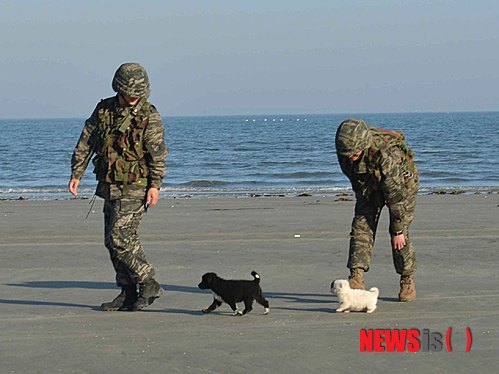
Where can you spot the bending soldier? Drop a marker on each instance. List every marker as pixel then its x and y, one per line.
pixel 382 172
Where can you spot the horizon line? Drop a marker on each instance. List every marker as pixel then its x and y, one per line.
pixel 272 114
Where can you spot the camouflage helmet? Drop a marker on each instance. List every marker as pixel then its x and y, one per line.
pixel 131 80
pixel 353 136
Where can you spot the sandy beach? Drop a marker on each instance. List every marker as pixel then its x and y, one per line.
pixel 55 272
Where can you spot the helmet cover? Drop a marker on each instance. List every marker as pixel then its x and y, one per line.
pixel 353 136
pixel 131 80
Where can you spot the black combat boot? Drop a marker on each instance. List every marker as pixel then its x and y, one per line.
pixel 123 301
pixel 149 291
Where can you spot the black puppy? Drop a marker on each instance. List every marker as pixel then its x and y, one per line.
pixel 234 291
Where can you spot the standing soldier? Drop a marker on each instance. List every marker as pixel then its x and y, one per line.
pixel 126 134
pixel 381 168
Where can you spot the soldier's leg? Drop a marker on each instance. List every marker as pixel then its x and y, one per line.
pixel 405 259
pixel 123 242
pixel 111 210
pixel 363 233
pixel 128 295
pixel 128 251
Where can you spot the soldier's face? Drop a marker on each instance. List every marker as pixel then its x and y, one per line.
pixel 355 156
pixel 128 101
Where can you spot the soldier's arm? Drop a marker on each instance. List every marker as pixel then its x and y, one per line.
pixel 154 144
pixel 85 147
pixel 393 187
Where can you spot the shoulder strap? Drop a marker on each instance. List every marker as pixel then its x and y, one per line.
pixel 128 119
pixel 388 135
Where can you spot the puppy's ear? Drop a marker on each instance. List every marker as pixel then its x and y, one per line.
pixel 211 278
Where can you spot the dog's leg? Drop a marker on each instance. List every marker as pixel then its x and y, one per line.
pixel 234 309
pixel 214 305
pixel 342 308
pixel 248 306
pixel 263 302
pixel 371 310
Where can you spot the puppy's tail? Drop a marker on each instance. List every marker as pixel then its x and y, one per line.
pixel 374 290
pixel 256 276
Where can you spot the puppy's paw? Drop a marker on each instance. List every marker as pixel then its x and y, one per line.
pixel 237 313
pixel 205 311
pixel 342 310
pixel 267 311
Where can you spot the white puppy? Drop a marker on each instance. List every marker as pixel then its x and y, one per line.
pixel 354 300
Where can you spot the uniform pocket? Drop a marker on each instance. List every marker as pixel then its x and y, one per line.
pixel 131 206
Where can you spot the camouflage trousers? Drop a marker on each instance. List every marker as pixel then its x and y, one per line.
pixel 121 223
pixel 363 234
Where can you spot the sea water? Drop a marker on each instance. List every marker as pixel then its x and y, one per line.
pixel 251 155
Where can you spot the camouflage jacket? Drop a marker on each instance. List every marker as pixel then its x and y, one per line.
pixel 382 173
pixel 129 149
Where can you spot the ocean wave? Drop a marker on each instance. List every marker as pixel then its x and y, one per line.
pixel 204 183
pixel 5 191
pixel 301 174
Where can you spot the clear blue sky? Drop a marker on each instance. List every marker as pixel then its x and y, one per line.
pixel 252 57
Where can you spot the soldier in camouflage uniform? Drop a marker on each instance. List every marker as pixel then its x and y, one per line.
pixel 126 135
pixel 381 169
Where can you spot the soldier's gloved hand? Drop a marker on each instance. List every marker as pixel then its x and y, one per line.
pixel 398 242
pixel 152 197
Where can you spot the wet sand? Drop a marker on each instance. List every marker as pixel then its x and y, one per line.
pixel 55 272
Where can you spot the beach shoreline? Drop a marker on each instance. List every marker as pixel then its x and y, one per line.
pixel 170 193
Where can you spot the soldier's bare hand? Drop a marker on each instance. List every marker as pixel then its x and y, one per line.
pixel 73 186
pixel 398 242
pixel 152 197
